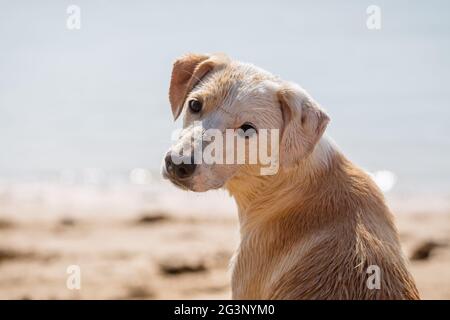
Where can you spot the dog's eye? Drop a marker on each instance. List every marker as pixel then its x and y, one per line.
pixel 195 106
pixel 247 130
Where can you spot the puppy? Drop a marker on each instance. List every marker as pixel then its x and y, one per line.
pixel 317 228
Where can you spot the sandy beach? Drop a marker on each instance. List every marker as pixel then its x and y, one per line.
pixel 160 254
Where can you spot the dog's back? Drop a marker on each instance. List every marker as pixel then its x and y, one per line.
pixel 329 239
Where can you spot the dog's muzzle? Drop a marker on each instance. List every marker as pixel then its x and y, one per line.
pixel 179 171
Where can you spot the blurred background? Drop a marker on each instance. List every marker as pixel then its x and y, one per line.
pixel 85 121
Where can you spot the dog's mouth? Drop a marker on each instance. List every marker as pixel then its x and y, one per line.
pixel 173 180
pixel 179 185
pixel 195 183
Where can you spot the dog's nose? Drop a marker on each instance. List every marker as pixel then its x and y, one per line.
pixel 182 170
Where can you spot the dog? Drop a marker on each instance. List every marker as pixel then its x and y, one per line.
pixel 319 228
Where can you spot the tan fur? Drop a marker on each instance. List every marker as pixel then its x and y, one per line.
pixel 311 233
pixel 311 230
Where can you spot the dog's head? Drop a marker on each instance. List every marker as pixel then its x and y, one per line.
pixel 229 107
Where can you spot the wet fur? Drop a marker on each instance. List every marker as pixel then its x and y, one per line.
pixel 311 232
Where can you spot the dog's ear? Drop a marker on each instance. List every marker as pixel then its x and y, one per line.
pixel 304 124
pixel 186 73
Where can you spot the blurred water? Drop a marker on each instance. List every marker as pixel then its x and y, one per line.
pixel 97 97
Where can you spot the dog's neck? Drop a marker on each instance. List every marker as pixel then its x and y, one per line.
pixel 253 193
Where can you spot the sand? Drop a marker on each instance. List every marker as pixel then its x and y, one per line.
pixel 161 255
